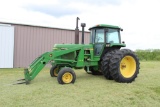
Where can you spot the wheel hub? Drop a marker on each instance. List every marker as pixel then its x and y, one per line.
pixel 123 66
pixel 128 66
pixel 56 72
pixel 67 77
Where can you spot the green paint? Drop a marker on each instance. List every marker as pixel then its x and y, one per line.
pixel 104 26
pixel 117 44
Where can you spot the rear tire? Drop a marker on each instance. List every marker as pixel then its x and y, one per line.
pixel 124 66
pixel 66 76
pixel 105 64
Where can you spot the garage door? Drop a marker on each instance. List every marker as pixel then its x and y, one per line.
pixel 6 46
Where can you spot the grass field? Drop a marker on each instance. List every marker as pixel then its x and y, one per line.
pixel 88 90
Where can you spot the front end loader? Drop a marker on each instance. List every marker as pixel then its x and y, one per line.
pixel 62 56
pixel 103 56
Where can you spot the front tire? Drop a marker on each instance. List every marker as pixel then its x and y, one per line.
pixel 66 75
pixel 54 71
pixel 124 66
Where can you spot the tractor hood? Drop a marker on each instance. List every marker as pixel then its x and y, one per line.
pixel 70 46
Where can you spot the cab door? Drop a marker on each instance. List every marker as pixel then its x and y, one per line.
pixel 99 40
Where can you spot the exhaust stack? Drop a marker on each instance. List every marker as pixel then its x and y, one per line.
pixel 77 32
pixel 83 25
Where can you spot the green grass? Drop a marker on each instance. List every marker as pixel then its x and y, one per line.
pixel 87 91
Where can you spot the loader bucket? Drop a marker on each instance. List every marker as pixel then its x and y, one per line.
pixel 26 75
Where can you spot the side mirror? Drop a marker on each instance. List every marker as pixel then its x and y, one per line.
pixel 121 29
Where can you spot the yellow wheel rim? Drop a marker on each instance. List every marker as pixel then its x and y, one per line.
pixel 128 66
pixel 67 77
pixel 55 72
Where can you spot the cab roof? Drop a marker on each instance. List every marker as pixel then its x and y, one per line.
pixel 105 26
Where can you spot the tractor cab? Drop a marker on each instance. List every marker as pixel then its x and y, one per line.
pixel 105 36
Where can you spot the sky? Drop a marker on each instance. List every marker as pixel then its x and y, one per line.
pixel 140 19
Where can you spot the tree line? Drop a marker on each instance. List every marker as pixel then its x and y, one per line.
pixel 148 54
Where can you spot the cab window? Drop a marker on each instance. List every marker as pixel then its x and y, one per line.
pixel 99 37
pixel 112 36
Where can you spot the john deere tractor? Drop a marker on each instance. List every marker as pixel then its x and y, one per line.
pixel 103 56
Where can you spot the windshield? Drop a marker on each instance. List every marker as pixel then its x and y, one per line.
pixel 112 36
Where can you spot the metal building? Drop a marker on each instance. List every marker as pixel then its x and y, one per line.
pixel 20 44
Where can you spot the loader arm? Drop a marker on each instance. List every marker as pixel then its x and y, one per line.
pixel 36 66
pixel 39 63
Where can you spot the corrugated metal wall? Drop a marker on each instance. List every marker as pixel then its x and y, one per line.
pixel 32 41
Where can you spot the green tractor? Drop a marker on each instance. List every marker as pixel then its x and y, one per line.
pixel 103 56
